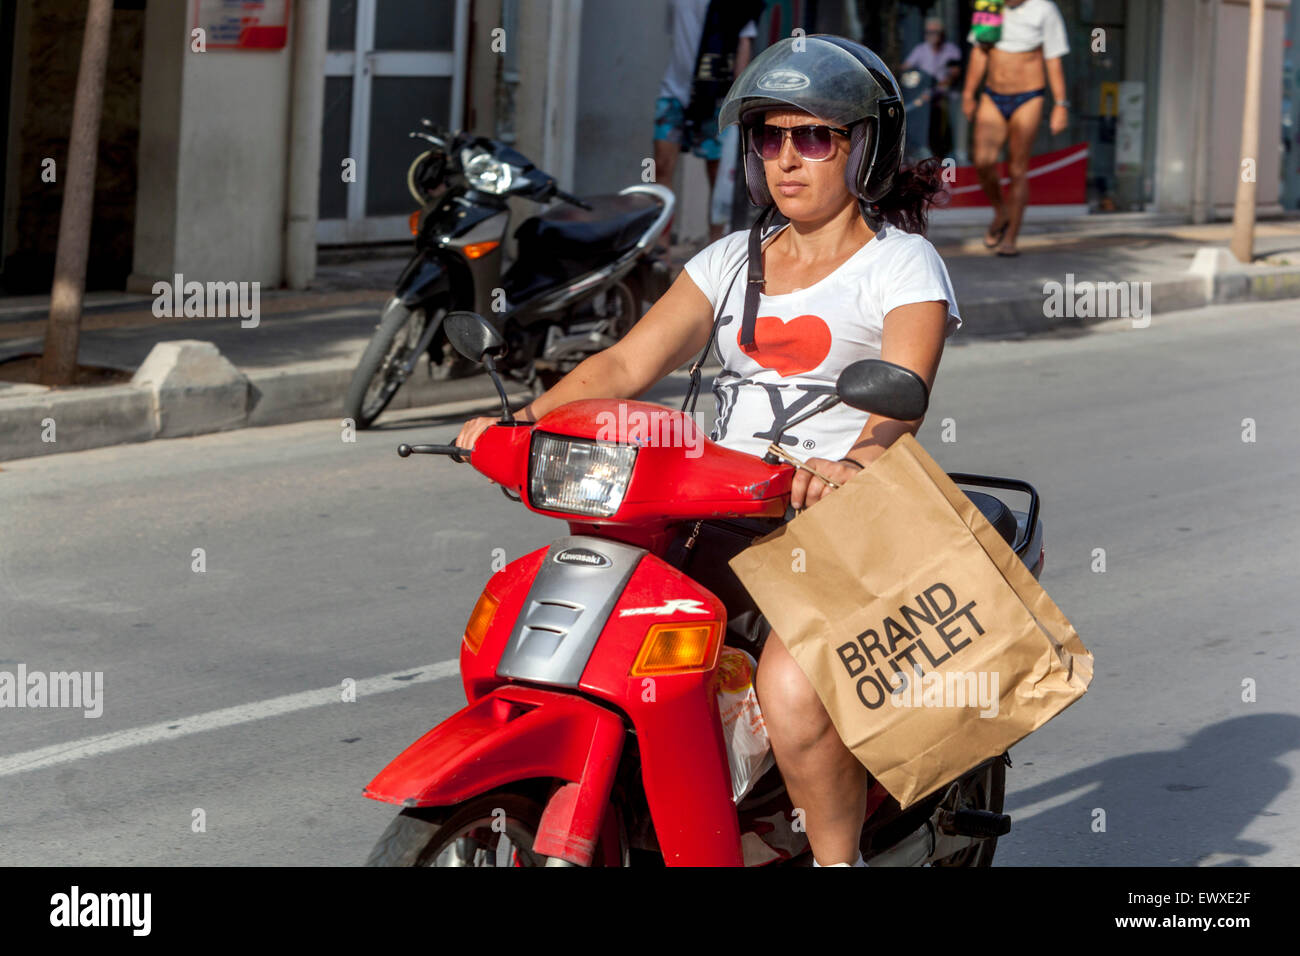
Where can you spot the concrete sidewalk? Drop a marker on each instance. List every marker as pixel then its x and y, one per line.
pixel 1002 296
pixel 297 362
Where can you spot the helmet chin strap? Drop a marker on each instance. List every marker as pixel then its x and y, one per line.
pixel 753 285
pixel 871 213
pixel 755 279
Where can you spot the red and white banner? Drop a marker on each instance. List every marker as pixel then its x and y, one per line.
pixel 1059 178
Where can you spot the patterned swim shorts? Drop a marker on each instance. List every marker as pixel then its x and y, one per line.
pixel 671 125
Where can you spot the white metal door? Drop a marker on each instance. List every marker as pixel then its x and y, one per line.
pixel 389 64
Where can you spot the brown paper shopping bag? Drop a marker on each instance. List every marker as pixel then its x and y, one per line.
pixel 930 643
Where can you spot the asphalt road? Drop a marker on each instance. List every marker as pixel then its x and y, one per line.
pixel 327 560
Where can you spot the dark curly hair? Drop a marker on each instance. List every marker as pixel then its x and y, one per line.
pixel 916 188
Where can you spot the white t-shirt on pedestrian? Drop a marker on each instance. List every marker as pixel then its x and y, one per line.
pixel 1032 24
pixel 688 28
pixel 804 339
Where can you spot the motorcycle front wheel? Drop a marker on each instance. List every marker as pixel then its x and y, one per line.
pixel 378 375
pixel 495 829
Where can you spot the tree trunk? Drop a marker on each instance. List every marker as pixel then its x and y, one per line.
pixel 1243 215
pixel 63 329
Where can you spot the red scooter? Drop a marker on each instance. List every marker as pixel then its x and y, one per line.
pixel 592 735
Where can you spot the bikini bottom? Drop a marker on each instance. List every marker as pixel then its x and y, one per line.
pixel 1008 103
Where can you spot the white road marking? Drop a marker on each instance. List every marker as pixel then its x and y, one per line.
pixel 1021 814
pixel 217 719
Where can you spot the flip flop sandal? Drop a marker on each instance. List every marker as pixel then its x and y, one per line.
pixel 1000 233
pixel 1008 255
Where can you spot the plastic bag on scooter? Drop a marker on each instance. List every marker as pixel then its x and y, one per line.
pixel 749 752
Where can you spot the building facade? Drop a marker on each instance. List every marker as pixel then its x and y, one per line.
pixel 238 157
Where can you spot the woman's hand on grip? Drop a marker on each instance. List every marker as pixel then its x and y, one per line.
pixel 807 489
pixel 471 430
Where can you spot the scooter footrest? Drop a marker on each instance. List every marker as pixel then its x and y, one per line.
pixel 976 823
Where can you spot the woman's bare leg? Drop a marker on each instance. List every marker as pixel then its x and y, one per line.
pixel 822 776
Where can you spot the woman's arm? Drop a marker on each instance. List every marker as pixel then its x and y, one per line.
pixel 671 332
pixel 913 337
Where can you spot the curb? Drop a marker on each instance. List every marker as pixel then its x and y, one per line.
pixel 997 318
pixel 48 422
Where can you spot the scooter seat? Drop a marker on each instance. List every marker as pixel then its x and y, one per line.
pixel 613 225
pixel 997 513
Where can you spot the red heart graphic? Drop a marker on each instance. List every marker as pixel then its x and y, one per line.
pixel 789 348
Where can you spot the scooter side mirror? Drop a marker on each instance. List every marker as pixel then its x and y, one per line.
pixel 883 388
pixel 478 340
pixel 472 335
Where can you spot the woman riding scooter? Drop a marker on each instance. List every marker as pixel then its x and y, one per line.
pixel 850 276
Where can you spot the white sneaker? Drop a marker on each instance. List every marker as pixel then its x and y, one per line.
pixel 858 862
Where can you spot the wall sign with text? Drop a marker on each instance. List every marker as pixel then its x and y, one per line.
pixel 243 24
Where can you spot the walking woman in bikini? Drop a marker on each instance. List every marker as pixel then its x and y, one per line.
pixel 1014 71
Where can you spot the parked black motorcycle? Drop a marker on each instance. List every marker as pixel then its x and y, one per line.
pixel 582 275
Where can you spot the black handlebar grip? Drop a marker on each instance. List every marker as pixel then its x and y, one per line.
pixel 452 451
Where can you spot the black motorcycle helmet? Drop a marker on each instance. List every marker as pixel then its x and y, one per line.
pixel 838 81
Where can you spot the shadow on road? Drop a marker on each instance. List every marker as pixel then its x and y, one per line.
pixel 1184 806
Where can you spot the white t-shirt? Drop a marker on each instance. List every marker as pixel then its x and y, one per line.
pixel 688 27
pixel 1033 24
pixel 804 339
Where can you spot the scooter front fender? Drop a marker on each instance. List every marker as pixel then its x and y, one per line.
pixel 512 733
pixel 425 277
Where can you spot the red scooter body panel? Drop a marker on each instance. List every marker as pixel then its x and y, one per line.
pixel 514 733
pixel 478 671
pixel 670 482
pixel 684 764
pixel 501 453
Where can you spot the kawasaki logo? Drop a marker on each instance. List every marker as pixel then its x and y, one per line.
pixel 583 556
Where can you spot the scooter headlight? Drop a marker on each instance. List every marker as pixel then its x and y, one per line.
pixel 579 476
pixel 488 174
